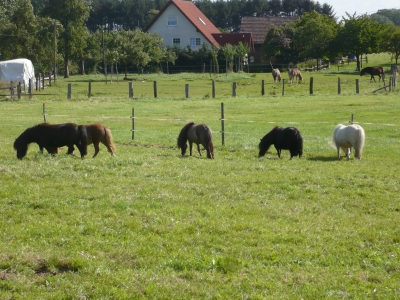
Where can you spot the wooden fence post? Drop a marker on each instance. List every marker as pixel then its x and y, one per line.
pixel 352 119
pixel 213 88
pixel 19 90
pixel 283 87
pixel 234 89
pixel 44 113
pixel 30 88
pixel 187 90
pixel 262 88
pixel 90 89
pixel 155 89
pixel 133 123
pixel 311 85
pixel 12 90
pixel 130 89
pixel 69 91
pixel 223 123
pixel 357 87
pixel 338 86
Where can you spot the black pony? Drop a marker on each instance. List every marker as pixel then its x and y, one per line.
pixel 373 71
pixel 287 139
pixel 50 137
pixel 198 134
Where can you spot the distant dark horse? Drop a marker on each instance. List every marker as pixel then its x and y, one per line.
pixel 373 71
pixel 198 134
pixel 51 137
pixel 286 139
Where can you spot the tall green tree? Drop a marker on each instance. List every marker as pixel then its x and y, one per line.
pixel 314 34
pixel 279 44
pixel 72 15
pixel 359 35
pixel 391 40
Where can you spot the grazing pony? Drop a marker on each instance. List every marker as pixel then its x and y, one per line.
pixel 373 71
pixel 52 137
pixel 276 74
pixel 198 134
pixel 97 134
pixel 294 73
pixel 346 137
pixel 286 139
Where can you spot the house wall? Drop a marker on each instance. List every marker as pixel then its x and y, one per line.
pixel 185 30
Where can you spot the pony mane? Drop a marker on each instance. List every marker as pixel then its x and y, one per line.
pixel 182 137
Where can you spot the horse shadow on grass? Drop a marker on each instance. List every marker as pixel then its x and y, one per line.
pixel 323 158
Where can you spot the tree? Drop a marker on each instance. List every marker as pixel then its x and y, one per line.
pixel 279 43
pixel 229 52
pixel 359 35
pixel 314 33
pixel 241 52
pixel 72 15
pixel 391 40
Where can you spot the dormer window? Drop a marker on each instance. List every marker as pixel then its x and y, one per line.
pixel 172 21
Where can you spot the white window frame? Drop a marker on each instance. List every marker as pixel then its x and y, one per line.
pixel 176 41
pixel 172 21
pixel 192 42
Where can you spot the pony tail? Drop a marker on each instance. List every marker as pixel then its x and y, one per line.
pixel 83 140
pixel 211 146
pixel 109 140
pixel 359 145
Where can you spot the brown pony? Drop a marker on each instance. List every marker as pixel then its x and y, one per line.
pixel 97 134
pixel 294 73
pixel 276 74
pixel 373 71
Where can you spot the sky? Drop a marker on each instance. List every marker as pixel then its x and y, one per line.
pixel 340 7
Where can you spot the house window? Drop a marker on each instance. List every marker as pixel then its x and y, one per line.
pixel 172 21
pixel 176 41
pixel 195 42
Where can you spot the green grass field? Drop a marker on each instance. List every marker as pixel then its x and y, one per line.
pixel 150 224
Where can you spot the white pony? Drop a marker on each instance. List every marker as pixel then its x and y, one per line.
pixel 346 137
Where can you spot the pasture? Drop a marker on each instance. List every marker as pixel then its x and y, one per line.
pixel 151 224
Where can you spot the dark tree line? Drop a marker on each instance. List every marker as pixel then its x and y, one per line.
pixel 226 15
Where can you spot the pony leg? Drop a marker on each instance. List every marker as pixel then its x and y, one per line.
pixel 338 151
pixel 198 149
pixel 190 148
pixel 96 149
pixel 71 149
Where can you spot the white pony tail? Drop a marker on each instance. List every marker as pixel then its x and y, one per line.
pixel 359 143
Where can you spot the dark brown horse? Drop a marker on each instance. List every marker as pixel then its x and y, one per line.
pixel 373 71
pixel 97 134
pixel 51 137
pixel 282 138
pixel 198 134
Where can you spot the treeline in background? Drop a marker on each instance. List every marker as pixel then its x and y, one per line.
pixel 84 36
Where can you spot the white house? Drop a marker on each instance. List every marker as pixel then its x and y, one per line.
pixel 180 23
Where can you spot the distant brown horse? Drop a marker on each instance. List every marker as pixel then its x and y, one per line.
pixel 373 71
pixel 276 74
pixel 97 134
pixel 294 73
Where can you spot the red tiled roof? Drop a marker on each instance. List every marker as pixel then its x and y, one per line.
pixel 234 39
pixel 259 26
pixel 195 16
